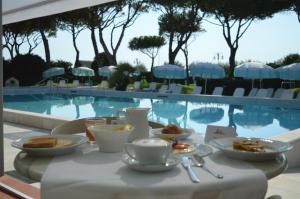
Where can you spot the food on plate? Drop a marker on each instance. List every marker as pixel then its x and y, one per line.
pixel 41 142
pixel 171 129
pixel 180 146
pixel 248 145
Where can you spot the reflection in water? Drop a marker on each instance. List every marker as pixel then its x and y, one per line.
pixel 288 118
pixel 258 121
pixel 254 117
pixel 207 115
pixel 80 101
pixel 169 109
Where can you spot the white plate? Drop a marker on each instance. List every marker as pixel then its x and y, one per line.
pixel 75 141
pixel 133 164
pixel 200 150
pixel 184 135
pixel 272 148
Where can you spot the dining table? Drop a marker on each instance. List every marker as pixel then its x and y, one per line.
pixel 88 173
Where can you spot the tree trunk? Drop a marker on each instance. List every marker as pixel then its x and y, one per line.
pixel 152 63
pixel 232 61
pixel 46 47
pixel 94 42
pixel 110 57
pixel 75 47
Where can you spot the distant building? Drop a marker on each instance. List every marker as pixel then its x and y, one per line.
pixel 86 63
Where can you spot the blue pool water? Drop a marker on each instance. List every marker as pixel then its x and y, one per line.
pixel 250 121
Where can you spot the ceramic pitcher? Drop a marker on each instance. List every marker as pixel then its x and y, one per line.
pixel 137 117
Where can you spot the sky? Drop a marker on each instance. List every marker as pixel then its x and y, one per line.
pixel 266 41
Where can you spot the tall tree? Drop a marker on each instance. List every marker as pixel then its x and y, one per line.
pixel 296 8
pixel 148 45
pixel 235 18
pixel 91 21
pixel 74 24
pixel 46 27
pixel 115 18
pixel 179 21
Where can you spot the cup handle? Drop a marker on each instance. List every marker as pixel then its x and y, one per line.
pixel 128 146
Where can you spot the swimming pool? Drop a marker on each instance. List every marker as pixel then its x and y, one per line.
pixel 250 120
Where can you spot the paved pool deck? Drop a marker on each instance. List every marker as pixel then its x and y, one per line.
pixel 286 185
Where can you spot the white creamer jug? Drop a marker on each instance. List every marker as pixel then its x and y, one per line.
pixel 137 117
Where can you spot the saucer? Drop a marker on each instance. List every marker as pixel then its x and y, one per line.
pixel 135 165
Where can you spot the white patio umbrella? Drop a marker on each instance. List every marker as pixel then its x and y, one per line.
pixel 254 70
pixel 289 72
pixel 106 71
pixel 169 71
pixel 83 72
pixel 207 71
pixel 52 72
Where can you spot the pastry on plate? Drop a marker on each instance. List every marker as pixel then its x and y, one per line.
pixel 248 145
pixel 171 129
pixel 41 142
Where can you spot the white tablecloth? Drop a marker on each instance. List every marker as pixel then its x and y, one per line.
pixel 91 174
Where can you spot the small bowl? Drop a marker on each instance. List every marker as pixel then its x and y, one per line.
pixel 111 138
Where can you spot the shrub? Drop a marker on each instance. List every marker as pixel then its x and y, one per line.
pixel 103 61
pixel 121 78
pixel 27 69
pixel 61 63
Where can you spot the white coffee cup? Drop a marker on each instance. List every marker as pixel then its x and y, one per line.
pixel 149 151
pixel 111 138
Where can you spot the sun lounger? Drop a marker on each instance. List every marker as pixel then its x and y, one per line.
pixel 62 83
pixel 239 92
pixel 287 94
pixel 152 87
pixel 262 93
pixel 298 96
pixel 49 83
pixel 197 90
pixel 103 85
pixel 270 92
pixel 218 91
pixel 75 83
pixel 163 89
pixel 173 88
pixel 253 92
pixel 278 93
pixel 137 85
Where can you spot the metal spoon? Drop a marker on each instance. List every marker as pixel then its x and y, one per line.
pixel 201 164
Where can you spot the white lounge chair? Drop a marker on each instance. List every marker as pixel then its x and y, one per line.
pixel 218 91
pixel 75 83
pixel 278 93
pixel 137 85
pixel 152 87
pixel 163 89
pixel 253 92
pixel 270 92
pixel 197 90
pixel 173 88
pixel 261 93
pixel 49 83
pixel 298 96
pixel 239 92
pixel 287 94
pixel 103 85
pixel 62 83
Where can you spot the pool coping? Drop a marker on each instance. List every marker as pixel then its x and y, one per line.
pixel 94 91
